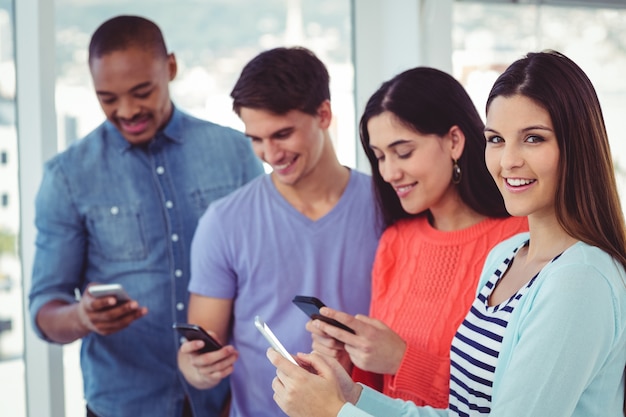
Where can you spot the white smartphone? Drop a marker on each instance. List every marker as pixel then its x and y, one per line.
pixel 274 342
pixel 109 290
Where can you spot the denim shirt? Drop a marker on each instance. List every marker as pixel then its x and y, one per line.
pixel 107 211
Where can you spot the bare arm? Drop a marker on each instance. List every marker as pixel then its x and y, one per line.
pixel 64 322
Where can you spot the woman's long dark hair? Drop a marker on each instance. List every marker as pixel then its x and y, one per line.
pixel 587 202
pixel 429 101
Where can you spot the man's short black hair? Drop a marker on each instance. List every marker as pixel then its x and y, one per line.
pixel 282 79
pixel 122 32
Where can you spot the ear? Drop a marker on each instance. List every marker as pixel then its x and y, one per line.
pixel 325 114
pixel 172 66
pixel 456 139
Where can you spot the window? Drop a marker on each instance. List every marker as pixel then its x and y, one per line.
pixel 212 41
pixel 488 37
pixel 12 392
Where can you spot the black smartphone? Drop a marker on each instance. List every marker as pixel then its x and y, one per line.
pixel 311 307
pixel 195 332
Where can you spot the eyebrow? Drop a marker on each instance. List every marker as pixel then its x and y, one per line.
pixel 524 130
pixel 132 90
pixel 275 134
pixel 394 143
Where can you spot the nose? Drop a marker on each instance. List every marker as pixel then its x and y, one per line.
pixel 511 156
pixel 271 152
pixel 127 108
pixel 389 171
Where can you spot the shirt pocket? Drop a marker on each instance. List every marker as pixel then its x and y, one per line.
pixel 117 233
pixel 202 197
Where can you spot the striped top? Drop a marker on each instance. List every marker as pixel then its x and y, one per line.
pixel 476 345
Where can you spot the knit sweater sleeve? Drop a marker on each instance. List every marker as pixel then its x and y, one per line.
pixel 425 375
pixel 370 379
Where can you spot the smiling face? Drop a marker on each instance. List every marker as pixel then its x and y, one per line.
pixel 522 155
pixel 292 143
pixel 132 88
pixel 417 166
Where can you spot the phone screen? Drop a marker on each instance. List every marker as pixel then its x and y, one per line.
pixel 109 290
pixel 311 307
pixel 272 339
pixel 195 332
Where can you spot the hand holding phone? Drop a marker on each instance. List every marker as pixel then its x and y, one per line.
pixel 109 290
pixel 311 307
pixel 195 332
pixel 273 340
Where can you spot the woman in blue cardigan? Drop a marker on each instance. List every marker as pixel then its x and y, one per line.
pixel 546 334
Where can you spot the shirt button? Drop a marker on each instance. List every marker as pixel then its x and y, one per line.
pixel 160 170
pixel 169 204
pixel 178 273
pixel 174 237
pixel 115 210
pixel 182 340
pixel 180 306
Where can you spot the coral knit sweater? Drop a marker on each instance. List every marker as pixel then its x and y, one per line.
pixel 423 283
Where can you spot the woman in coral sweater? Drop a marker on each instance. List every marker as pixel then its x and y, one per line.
pixel 443 213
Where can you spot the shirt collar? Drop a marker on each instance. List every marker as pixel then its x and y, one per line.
pixel 173 131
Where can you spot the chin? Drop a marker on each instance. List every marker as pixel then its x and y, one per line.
pixel 139 139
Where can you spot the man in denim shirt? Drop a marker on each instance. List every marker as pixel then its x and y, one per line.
pixel 121 206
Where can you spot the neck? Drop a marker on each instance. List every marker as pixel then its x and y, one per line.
pixel 451 213
pixel 547 238
pixel 316 193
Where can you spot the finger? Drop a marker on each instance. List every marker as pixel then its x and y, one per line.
pixel 115 313
pixel 345 318
pixel 335 332
pixel 371 321
pixel 327 342
pixel 226 355
pixel 218 369
pixel 313 329
pixel 106 327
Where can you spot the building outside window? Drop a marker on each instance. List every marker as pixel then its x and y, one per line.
pixel 487 37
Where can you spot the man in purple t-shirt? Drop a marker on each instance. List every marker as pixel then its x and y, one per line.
pixel 308 228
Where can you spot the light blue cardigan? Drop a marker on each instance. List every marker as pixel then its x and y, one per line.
pixel 564 349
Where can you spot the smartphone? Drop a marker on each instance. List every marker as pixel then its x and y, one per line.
pixel 195 332
pixel 311 307
pixel 274 342
pixel 109 290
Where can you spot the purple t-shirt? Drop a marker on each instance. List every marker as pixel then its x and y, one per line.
pixel 255 248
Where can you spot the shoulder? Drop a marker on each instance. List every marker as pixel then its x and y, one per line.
pixel 585 282
pixel 405 232
pixel 81 150
pixel 243 198
pixel 588 263
pixel 237 211
pixel 363 181
pixel 360 189
pixel 210 130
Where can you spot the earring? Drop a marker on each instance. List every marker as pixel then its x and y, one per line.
pixel 456 172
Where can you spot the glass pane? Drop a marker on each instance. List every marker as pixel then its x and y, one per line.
pixel 212 41
pixel 217 40
pixel 488 37
pixel 12 393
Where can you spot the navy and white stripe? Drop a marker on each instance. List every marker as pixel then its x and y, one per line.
pixel 476 345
